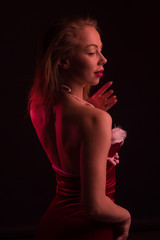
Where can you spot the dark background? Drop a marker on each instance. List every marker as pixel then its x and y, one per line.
pixel 131 45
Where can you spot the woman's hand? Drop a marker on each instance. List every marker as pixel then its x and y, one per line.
pixel 122 230
pixel 114 160
pixel 102 99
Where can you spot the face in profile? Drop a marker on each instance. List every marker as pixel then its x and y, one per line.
pixel 86 62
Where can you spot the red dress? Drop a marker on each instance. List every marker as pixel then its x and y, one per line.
pixel 65 218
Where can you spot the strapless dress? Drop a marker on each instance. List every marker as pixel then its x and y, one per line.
pixel 65 217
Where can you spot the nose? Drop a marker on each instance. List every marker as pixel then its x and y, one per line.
pixel 102 59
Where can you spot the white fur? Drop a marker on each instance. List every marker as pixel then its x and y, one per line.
pixel 118 135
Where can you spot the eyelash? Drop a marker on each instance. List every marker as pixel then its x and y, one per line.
pixel 92 53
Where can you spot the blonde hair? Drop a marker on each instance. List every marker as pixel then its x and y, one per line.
pixel 59 41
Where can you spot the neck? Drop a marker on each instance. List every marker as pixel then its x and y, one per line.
pixel 76 89
pixel 67 90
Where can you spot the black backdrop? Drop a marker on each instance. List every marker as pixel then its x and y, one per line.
pixel 131 45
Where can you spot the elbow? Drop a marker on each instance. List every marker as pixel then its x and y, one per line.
pixel 92 210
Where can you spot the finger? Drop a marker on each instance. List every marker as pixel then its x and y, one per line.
pixel 107 94
pixel 113 162
pixel 119 238
pixel 104 88
pixel 108 106
pixel 110 100
pixel 116 155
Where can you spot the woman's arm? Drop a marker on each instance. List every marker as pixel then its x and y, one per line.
pixel 96 136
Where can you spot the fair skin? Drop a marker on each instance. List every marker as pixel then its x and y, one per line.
pixel 79 62
pixel 103 98
pixel 85 61
pixel 85 151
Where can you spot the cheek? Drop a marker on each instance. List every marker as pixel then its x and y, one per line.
pixel 79 66
pixel 82 65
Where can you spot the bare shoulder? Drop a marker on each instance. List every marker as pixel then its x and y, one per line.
pixel 35 112
pixel 94 119
pixel 38 115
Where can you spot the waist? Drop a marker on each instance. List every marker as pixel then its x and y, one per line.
pixel 69 186
pixel 72 193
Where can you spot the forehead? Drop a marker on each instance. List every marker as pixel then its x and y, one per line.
pixel 88 35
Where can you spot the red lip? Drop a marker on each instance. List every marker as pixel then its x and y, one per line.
pixel 99 73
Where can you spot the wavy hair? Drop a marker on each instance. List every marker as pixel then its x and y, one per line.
pixel 58 41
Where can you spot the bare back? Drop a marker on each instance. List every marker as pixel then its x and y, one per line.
pixel 60 131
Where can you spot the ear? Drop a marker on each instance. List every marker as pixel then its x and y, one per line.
pixel 64 63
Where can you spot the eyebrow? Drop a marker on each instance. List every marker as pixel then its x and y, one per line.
pixel 93 45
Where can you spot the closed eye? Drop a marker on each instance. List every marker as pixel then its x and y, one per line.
pixel 91 53
pixel 95 52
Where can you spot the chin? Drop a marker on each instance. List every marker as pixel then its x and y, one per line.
pixel 95 82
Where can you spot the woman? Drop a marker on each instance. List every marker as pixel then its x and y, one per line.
pixel 76 135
